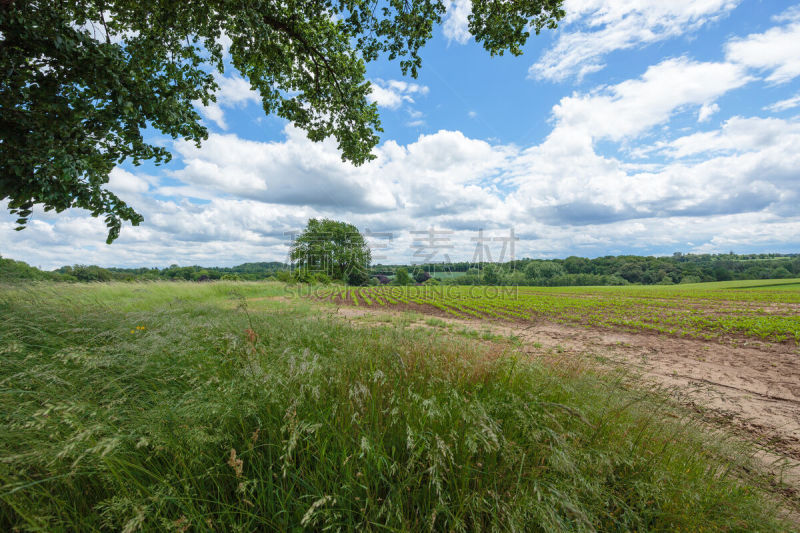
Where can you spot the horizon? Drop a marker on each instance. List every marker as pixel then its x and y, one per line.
pixel 411 265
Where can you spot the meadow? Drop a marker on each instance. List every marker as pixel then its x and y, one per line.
pixel 239 407
pixel 762 309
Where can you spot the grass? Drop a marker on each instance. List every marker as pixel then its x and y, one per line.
pixel 182 407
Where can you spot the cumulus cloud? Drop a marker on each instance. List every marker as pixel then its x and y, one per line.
pixel 593 29
pixel 563 198
pixel 393 93
pixel 738 134
pixel 776 51
pixel 783 105
pixel 634 106
pixel 706 111
pixel 233 91
pixel 456 21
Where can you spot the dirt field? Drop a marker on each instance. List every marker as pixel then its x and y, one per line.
pixel 753 386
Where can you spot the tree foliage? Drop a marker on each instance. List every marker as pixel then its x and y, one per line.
pixel 82 79
pixel 402 277
pixel 334 248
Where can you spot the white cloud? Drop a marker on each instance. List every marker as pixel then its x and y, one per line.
pixel 790 15
pixel 783 105
pixel 634 106
pixel 213 112
pixel 595 28
pixel 233 91
pixel 456 23
pixel 125 182
pixel 738 135
pixel 777 51
pixel 560 196
pixel 438 172
pixel 706 111
pixel 393 93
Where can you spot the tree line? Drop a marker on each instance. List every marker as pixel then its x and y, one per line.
pixel 571 271
pixel 611 270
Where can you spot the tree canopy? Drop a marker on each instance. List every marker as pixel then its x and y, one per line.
pixel 333 248
pixel 82 79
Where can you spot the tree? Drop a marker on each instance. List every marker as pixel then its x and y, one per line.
pixel 421 276
pixel 83 78
pixel 490 275
pixel 577 265
pixel 543 270
pixel 722 274
pixel 331 247
pixel 401 277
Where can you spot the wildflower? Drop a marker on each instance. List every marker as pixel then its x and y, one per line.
pixel 182 524
pixel 235 463
pixel 132 332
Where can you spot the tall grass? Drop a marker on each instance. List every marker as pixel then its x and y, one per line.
pixel 174 407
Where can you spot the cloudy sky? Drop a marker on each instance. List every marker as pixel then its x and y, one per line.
pixel 643 127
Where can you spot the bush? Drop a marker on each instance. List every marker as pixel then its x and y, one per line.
pixel 357 277
pixel 321 277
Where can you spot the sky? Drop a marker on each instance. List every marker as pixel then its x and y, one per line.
pixel 640 127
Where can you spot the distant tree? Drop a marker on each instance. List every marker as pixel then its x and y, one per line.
pixel 577 265
pixel 722 274
pixel 420 276
pixel 779 272
pixel 401 277
pixel 11 270
pixel 756 272
pixel 490 275
pixel 90 273
pixel 336 248
pixel 515 278
pixel 543 270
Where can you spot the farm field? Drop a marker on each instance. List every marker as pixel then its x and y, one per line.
pixel 239 406
pixel 767 310
pixel 728 348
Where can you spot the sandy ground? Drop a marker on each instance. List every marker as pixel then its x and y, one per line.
pixel 751 386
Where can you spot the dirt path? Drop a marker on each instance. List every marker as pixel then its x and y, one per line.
pixel 753 387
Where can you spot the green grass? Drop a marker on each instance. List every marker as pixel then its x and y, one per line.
pixel 184 407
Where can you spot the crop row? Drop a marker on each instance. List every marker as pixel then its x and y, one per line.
pixel 707 315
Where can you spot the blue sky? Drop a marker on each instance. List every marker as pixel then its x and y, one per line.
pixel 643 127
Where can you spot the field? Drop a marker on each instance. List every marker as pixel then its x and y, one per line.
pixel 241 406
pixel 767 309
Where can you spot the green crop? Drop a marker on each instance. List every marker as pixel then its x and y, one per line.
pixel 763 309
